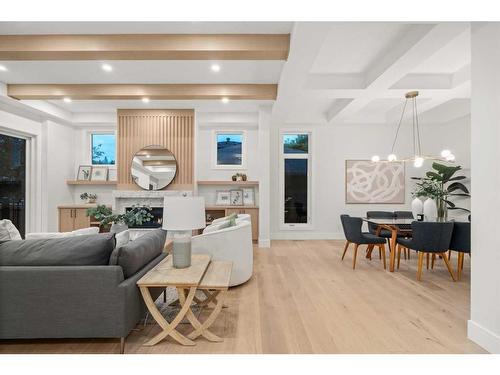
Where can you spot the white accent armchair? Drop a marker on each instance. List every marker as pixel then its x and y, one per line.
pixel 231 244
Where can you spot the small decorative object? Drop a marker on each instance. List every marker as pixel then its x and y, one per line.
pixel 84 173
pixel 420 217
pixel 244 177
pixel 434 186
pixel 248 197
pixel 209 218
pixel 112 175
pixel 236 197
pixel 234 177
pixel 88 197
pixel 239 177
pixel 417 207
pixel 223 198
pixel 182 215
pixel 430 209
pixel 99 174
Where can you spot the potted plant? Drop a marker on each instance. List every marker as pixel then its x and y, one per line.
pixel 100 214
pixel 441 184
pixel 88 197
pixel 137 215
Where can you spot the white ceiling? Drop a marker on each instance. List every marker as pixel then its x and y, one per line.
pixel 337 72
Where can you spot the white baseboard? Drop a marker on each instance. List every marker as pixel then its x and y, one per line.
pixel 292 235
pixel 264 242
pixel 483 337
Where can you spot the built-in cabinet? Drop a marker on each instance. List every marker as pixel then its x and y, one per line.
pixel 73 217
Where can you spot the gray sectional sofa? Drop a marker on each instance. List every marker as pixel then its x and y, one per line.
pixel 78 287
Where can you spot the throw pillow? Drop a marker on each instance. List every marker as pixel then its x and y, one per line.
pixel 85 231
pixel 46 235
pixel 8 231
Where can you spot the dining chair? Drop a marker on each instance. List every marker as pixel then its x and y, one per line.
pixel 384 232
pixel 460 242
pixel 353 234
pixel 429 238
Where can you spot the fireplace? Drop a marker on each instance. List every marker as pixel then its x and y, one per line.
pixel 155 222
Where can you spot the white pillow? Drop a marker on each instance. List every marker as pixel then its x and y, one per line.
pixel 8 231
pixel 85 231
pixel 122 238
pixel 45 235
pixel 214 227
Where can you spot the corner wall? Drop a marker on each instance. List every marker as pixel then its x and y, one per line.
pixel 484 324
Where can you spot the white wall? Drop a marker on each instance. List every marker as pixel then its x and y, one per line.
pixel 333 144
pixel 484 324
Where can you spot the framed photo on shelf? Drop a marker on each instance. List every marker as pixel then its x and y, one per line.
pixel 223 198
pixel 84 173
pixel 112 175
pixel 99 174
pixel 236 197
pixel 248 197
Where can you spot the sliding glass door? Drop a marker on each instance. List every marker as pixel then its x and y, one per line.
pixel 13 181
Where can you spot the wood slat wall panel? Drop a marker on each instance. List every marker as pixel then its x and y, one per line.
pixel 172 129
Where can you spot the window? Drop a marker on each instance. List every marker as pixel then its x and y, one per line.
pixel 229 150
pixel 295 170
pixel 103 148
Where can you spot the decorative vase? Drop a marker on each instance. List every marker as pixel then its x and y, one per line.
pixel 417 207
pixel 430 209
pixel 234 178
pixel 118 227
pixel 244 177
pixel 442 210
pixel 91 200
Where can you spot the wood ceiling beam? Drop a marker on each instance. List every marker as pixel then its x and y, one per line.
pixel 139 91
pixel 145 47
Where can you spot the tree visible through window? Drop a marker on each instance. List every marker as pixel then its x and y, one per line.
pixel 103 149
pixel 229 149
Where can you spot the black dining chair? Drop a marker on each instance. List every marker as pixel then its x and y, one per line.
pixel 372 227
pixel 403 215
pixel 429 238
pixel 353 234
pixel 460 242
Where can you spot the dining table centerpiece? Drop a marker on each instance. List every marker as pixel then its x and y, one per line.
pixel 441 184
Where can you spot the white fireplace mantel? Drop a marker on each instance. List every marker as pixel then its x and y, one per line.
pixel 153 198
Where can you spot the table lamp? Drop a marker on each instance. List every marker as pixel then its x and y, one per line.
pixel 182 215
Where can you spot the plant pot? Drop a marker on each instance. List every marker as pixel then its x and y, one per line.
pixel 430 209
pixel 234 178
pixel 442 210
pixel 417 207
pixel 118 227
pixel 244 177
pixel 91 200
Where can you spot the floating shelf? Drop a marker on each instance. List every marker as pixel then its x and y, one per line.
pixel 232 183
pixel 214 208
pixel 76 182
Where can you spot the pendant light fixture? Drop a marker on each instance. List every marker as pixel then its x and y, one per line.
pixel 418 157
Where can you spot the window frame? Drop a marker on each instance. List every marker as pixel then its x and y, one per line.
pixel 243 165
pixel 310 175
pixel 90 133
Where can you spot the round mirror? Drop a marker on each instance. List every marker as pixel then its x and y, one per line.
pixel 153 167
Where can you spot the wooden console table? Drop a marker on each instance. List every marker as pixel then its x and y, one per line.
pixel 210 277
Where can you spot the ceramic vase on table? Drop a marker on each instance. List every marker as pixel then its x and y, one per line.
pixel 417 207
pixel 430 209
pixel 118 227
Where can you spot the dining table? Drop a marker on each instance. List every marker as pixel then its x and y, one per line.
pixel 395 226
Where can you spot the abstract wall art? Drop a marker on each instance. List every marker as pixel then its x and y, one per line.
pixel 369 182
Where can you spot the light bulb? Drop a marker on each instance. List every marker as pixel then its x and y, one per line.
pixel 375 158
pixel 418 162
pixel 445 153
pixel 67 100
pixel 215 68
pixel 106 67
pixel 392 157
pixel 225 100
pixel 145 100
pixel 450 157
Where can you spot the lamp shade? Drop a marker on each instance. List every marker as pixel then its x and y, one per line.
pixel 183 213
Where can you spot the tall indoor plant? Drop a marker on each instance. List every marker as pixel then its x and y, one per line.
pixel 441 184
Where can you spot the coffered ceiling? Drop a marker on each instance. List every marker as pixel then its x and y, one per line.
pixel 336 72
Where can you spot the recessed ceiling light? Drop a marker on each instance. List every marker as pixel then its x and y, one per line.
pixel 145 100
pixel 3 68
pixel 225 100
pixel 67 100
pixel 107 67
pixel 215 67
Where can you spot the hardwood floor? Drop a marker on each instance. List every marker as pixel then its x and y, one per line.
pixel 304 299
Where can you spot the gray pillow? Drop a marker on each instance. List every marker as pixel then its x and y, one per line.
pixel 91 250
pixel 133 256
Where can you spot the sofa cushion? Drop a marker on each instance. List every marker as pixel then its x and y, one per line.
pixel 92 250
pixel 133 256
pixel 78 232
pixel 8 231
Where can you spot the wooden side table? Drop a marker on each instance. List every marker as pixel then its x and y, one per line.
pixel 186 279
